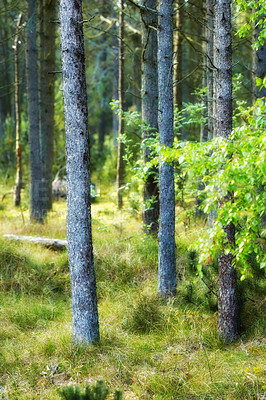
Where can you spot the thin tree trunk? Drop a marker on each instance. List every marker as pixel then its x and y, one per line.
pixel 120 161
pixel 150 113
pixel 18 185
pixel 210 67
pixel 204 126
pixel 228 310
pixel 37 213
pixel 259 63
pixel 80 251
pixel 166 271
pixel 178 55
pixel 47 79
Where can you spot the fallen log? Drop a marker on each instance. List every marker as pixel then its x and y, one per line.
pixel 54 244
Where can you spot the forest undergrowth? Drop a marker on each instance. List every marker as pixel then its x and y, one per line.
pixel 149 347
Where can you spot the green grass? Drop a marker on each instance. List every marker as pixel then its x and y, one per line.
pixel 151 348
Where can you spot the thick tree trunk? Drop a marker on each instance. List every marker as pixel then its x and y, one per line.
pixel 80 251
pixel 47 65
pixel 259 63
pixel 36 204
pixel 228 311
pixel 150 113
pixel 18 185
pixel 167 271
pixel 120 161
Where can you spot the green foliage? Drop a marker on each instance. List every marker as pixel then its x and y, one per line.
pixel 257 9
pixel 235 166
pixel 96 392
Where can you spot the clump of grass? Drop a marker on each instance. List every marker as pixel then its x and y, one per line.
pixel 145 315
pixel 98 391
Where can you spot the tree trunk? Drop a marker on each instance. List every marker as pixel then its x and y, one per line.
pixel 80 251
pixel 120 161
pixel 18 185
pixel 178 55
pixel 47 79
pixel 37 213
pixel 259 63
pixel 228 311
pixel 167 271
pixel 150 113
pixel 210 67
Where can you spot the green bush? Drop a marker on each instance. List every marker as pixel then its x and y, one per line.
pixel 96 392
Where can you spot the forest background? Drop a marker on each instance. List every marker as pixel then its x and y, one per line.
pixel 37 356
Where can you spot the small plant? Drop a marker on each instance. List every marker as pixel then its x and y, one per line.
pixel 98 391
pixel 145 315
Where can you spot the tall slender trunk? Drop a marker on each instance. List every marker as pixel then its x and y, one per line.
pixel 228 310
pixel 120 149
pixel 210 67
pixel 47 79
pixel 80 251
pixel 36 203
pixel 166 271
pixel 259 63
pixel 204 126
pixel 178 55
pixel 150 113
pixel 18 185
pixel 115 71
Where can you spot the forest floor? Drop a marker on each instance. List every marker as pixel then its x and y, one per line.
pixel 150 348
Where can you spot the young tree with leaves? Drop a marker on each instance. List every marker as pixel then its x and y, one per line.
pixel 80 251
pixel 228 310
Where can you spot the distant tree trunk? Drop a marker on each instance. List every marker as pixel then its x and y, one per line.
pixel 204 126
pixel 47 79
pixel 80 251
pixel 36 204
pixel 228 311
pixel 115 71
pixel 137 71
pixel 18 114
pixel 150 112
pixel 167 271
pixel 259 63
pixel 210 67
pixel 178 55
pixel 120 161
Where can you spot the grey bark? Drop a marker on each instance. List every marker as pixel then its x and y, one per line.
pixel 36 204
pixel 115 70
pixel 259 64
pixel 166 271
pixel 47 79
pixel 228 310
pixel 120 148
pixel 150 112
pixel 204 126
pixel 18 185
pixel 80 250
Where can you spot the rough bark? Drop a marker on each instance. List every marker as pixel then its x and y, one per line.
pixel 259 64
pixel 80 250
pixel 166 271
pixel 47 79
pixel 120 148
pixel 18 185
pixel 150 112
pixel 228 311
pixel 37 213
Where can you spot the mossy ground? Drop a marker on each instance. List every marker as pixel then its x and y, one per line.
pixel 150 348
